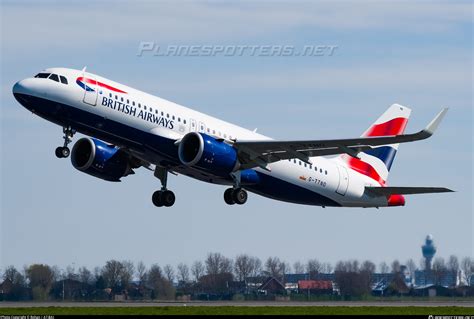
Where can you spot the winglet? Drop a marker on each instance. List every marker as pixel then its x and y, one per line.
pixel 431 128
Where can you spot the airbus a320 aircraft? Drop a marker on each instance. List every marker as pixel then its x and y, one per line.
pixel 130 129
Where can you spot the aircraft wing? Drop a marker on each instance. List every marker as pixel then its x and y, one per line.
pixel 261 153
pixel 387 191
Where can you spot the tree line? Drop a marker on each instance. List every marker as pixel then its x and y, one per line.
pixel 213 275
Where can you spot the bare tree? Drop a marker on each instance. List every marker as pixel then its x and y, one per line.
pixel 112 274
pixel 257 267
pixel 368 267
pixel 313 267
pixel 197 270
pixel 326 268
pixel 467 267
pixel 183 272
pixel 10 273
pixel 85 276
pixel 243 266
pixel 411 268
pixel 126 276
pixel 453 266
pixel 383 267
pixel 141 273
pixel 216 263
pixel 298 267
pixel 169 272
pixel 395 266
pixel 438 270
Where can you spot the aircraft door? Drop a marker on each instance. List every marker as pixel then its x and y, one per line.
pixel 343 180
pixel 90 89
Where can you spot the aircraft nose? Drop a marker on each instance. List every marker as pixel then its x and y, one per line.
pixel 21 87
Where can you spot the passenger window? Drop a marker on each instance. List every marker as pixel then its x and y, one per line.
pixel 294 161
pixel 304 164
pixel 116 97
pixel 110 95
pixel 184 121
pixel 172 117
pixel 167 115
pixel 315 168
pixel 121 98
pixel 325 172
pixel 139 105
pixel 321 170
pixel 54 77
pixel 63 79
pixel 133 103
pixel 144 107
pixel 299 162
pixel 128 102
pixel 208 130
pixel 151 109
pixel 214 132
pixel 156 111
pixel 42 75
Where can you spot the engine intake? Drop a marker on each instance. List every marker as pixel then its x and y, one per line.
pixel 208 154
pixel 100 159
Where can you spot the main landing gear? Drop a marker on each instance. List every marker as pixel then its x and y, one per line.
pixel 63 151
pixel 163 197
pixel 235 195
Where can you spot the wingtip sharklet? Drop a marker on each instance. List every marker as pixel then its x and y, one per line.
pixel 433 125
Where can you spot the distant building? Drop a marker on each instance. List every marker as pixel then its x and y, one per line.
pixel 272 286
pixel 428 250
pixel 315 287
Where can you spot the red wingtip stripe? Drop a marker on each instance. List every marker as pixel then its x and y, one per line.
pixel 94 82
pixel 395 126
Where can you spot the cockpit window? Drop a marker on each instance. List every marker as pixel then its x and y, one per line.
pixel 42 75
pixel 63 79
pixel 54 77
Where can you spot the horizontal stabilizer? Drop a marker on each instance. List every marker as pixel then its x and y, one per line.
pixel 387 191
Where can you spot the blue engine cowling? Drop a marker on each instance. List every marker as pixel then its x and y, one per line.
pixel 100 159
pixel 208 154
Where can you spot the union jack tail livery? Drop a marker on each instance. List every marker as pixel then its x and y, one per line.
pixel 376 162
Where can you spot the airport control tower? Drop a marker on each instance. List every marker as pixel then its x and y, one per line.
pixel 429 250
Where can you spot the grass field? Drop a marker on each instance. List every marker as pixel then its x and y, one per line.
pixel 229 310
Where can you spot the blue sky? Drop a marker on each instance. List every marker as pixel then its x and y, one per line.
pixel 417 54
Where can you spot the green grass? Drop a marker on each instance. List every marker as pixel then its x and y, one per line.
pixel 229 310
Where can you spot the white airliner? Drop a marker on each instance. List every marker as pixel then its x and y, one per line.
pixel 130 129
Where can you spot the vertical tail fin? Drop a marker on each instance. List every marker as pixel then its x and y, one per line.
pixel 376 163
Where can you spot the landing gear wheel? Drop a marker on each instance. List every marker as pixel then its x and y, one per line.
pixel 239 196
pixel 62 152
pixel 58 152
pixel 65 151
pixel 168 198
pixel 156 199
pixel 228 198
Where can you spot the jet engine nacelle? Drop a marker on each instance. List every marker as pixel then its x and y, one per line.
pixel 100 159
pixel 208 154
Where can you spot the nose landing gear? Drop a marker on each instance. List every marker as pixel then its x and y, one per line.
pixel 63 151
